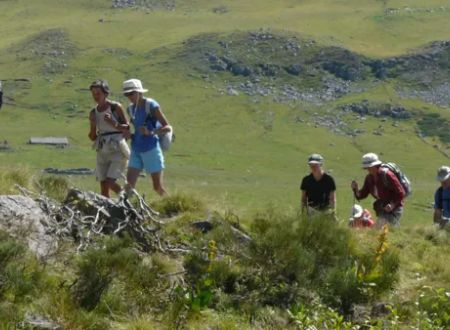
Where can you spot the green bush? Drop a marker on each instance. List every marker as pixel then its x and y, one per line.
pixel 434 124
pixel 179 203
pixel 19 273
pixel 290 254
pixel 55 187
pixel 435 304
pixel 318 316
pixel 10 177
pixel 97 267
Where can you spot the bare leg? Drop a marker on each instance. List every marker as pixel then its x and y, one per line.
pixel 113 185
pixel 104 187
pixel 132 176
pixel 157 179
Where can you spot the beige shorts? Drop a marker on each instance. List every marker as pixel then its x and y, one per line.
pixel 110 165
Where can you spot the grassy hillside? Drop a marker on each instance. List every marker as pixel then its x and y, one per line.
pixel 245 152
pixel 252 88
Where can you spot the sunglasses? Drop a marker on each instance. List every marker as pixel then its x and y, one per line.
pixel 129 93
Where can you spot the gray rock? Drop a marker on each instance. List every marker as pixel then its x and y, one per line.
pixel 294 69
pixel 220 10
pixel 231 91
pixel 69 171
pixel 23 219
pixel 241 70
pixel 36 321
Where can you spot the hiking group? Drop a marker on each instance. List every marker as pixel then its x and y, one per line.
pixel 385 182
pixel 110 130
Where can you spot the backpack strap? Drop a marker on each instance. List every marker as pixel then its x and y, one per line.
pixel 149 111
pixel 114 106
pixel 384 171
pixel 130 112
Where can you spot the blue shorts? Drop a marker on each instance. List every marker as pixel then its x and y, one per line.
pixel 151 161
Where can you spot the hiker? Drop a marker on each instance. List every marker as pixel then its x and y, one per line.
pixel 318 188
pixel 383 184
pixel 442 197
pixel 149 123
pixel 108 128
pixel 1 95
pixel 360 217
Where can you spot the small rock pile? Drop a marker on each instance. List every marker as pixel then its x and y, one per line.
pixel 144 4
pixel 439 95
pixel 367 108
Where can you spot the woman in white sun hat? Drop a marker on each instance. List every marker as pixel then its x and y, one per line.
pixel 149 123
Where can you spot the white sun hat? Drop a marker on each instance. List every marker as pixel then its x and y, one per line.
pixel 357 211
pixel 370 160
pixel 315 159
pixel 443 173
pixel 133 85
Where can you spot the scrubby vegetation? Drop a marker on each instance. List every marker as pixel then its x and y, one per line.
pixel 294 273
pixel 250 93
pixel 434 125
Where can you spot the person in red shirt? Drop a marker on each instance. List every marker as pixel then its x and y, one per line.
pixel 384 186
pixel 360 217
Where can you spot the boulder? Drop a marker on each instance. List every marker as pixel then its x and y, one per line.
pixel 241 70
pixel 294 69
pixel 23 219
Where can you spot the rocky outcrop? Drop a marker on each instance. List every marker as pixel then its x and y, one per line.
pixel 23 219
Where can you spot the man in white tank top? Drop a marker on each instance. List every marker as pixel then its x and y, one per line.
pixel 109 129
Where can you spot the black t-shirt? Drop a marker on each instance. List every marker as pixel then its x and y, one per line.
pixel 318 192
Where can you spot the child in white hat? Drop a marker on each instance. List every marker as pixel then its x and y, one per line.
pixel 360 217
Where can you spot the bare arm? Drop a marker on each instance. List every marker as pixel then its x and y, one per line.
pixel 125 126
pixel 333 200
pixel 93 126
pixel 165 126
pixel 364 192
pixel 437 216
pixel 304 200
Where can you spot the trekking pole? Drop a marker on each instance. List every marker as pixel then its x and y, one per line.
pixel 354 202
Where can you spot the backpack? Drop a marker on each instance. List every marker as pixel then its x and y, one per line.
pixel 402 178
pixel 165 139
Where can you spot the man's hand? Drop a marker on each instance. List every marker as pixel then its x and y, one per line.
pixel 109 119
pixel 145 131
pixel 354 185
pixel 92 136
pixel 389 208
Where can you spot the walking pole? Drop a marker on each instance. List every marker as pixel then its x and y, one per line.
pixel 354 202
